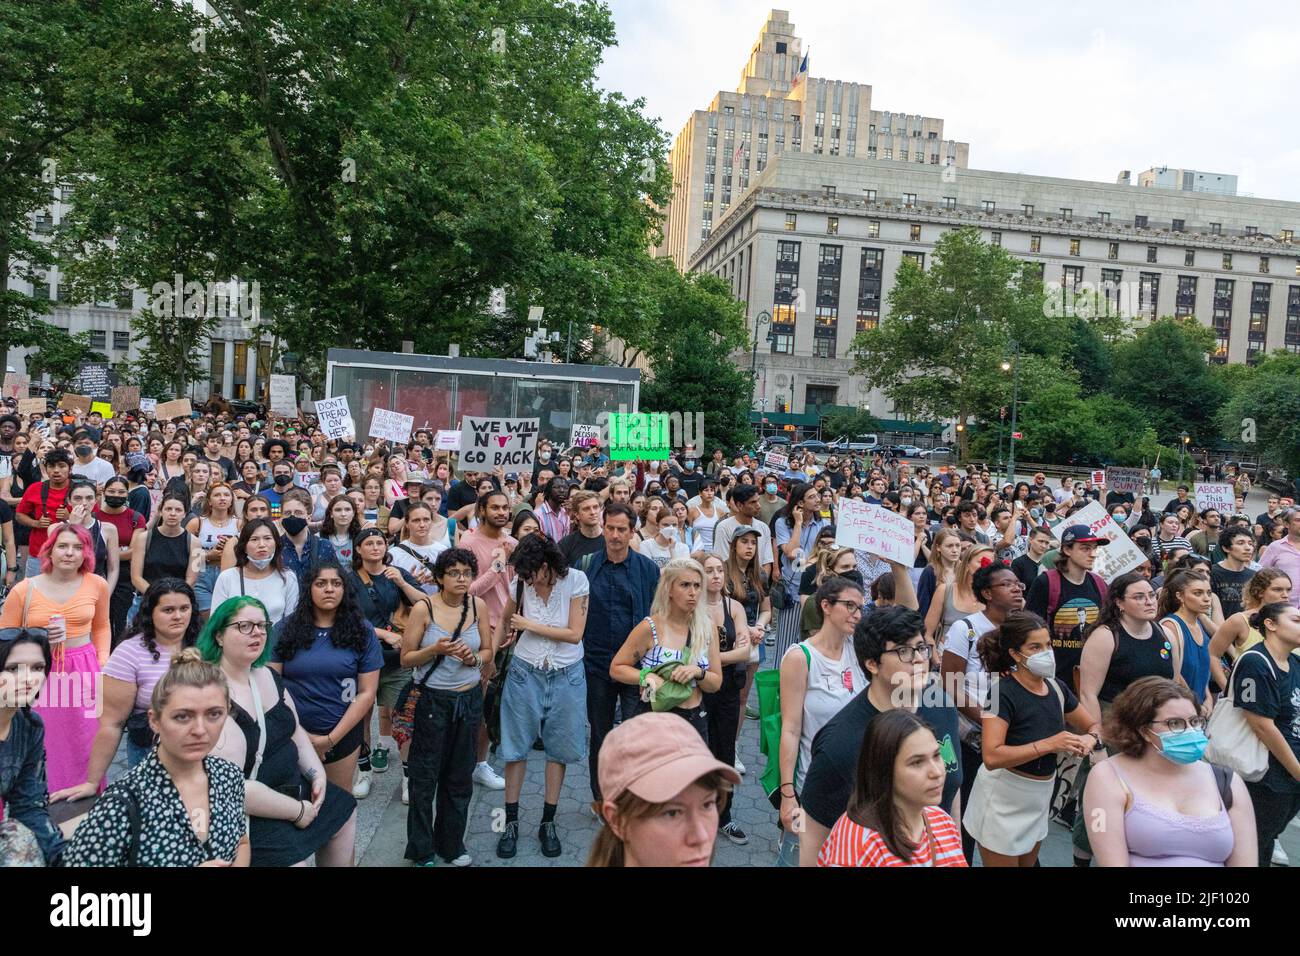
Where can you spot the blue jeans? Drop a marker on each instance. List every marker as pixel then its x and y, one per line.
pixel 135 753
pixel 32 567
pixel 552 704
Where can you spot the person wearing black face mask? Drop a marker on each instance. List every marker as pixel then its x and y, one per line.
pixel 113 510
pixel 88 465
pixel 281 481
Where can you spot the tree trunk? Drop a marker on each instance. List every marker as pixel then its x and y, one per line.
pixel 961 432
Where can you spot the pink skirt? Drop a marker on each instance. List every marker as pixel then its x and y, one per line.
pixel 69 705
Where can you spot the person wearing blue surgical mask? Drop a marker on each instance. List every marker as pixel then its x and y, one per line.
pixel 1156 802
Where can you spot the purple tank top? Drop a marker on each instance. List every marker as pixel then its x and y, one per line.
pixel 1160 837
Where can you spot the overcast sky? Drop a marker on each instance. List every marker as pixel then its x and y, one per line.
pixel 1080 91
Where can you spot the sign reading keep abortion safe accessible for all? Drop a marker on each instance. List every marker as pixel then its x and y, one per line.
pixel 489 443
pixel 875 530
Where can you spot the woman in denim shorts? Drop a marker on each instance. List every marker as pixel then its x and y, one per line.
pixel 545 693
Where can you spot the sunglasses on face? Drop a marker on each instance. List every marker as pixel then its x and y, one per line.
pixel 14 633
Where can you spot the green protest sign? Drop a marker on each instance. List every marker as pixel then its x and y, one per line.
pixel 639 435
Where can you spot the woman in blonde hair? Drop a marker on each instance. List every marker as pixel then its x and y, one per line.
pixel 679 630
pixel 179 806
pixel 954 599
pixel 945 552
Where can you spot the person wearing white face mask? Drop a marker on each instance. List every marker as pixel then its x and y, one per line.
pixel 258 571
pixel 1023 731
pixel 666 545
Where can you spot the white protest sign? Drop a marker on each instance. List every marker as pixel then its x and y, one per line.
pixel 305 479
pixel 1222 497
pixel 782 462
pixel 1114 559
pixel 334 417
pixel 585 436
pixel 1098 478
pixel 490 443
pixel 393 426
pixel 284 395
pixel 875 530
pixel 447 440
pixel 148 406
pixel 1131 480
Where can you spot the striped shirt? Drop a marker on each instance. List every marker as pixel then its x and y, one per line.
pixel 853 845
pixel 132 663
pixel 555 524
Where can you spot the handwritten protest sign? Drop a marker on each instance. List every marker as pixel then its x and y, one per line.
pixel 334 417
pixel 75 403
pixel 1114 559
pixel 149 406
pixel 875 530
pixel 1220 496
pixel 284 395
pixel 585 436
pixel 96 380
pixel 32 406
pixel 126 398
pixel 16 384
pixel 1130 480
pixel 393 426
pixel 447 440
pixel 176 408
pixel 780 462
pixel 489 443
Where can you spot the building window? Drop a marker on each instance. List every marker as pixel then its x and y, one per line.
pixel 949 202
pixel 870 275
pixel 782 343
pixel 828 192
pixel 1067 214
pixel 832 225
pixel 728 111
pixel 1189 257
pixel 915 233
pixel 1263 264
pixel 1071 277
pixel 1216 228
pixel 1148 294
pixel 1139 222
pixel 98 339
pixel 1111 280
pixel 1252 230
pixel 989 205
pixel 41 289
pixel 1261 295
pixel 1221 317
pixel 1074 247
pixel 1035 244
pixel 873 232
pixel 1185 303
pixel 791 222
pixel 1179 225
pixel 909 199
pixel 1112 250
pixel 870 194
pixel 1291 341
pixel 1151 253
pixel 917 257
pixel 121 340
pixel 1227 260
pixel 1287 235
pixel 1103 216
pixel 1027 211
pixel 823 347
pixel 995 239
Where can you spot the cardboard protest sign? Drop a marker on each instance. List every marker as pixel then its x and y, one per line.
pixel 490 443
pixel 1114 559
pixel 284 395
pixel 393 426
pixel 875 530
pixel 334 417
pixel 104 408
pixel 1220 496
pixel 75 403
pixel 32 406
pixel 1130 480
pixel 585 436
pixel 780 462
pixel 446 440
pixel 176 408
pixel 16 384
pixel 126 398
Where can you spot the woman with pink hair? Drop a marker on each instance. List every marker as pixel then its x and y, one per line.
pixel 70 602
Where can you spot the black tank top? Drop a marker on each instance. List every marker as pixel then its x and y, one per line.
pixel 166 557
pixel 749 602
pixel 101 550
pixel 1135 658
pixel 727 633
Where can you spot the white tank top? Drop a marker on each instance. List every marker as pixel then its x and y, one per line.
pixel 703 525
pixel 831 685
pixel 208 532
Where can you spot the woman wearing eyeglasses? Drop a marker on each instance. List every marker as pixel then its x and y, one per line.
pixel 294 812
pixel 1156 802
pixel 818 677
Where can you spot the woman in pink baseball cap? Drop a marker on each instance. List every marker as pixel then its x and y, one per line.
pixel 662 789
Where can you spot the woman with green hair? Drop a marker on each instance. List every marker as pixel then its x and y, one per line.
pixel 293 811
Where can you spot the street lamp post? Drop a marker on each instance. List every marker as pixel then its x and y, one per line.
pixel 1015 400
pixel 1184 438
pixel 763 318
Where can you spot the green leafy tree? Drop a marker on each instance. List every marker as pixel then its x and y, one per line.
pixel 1163 371
pixel 61 355
pixel 1265 411
pixel 843 422
pixel 951 327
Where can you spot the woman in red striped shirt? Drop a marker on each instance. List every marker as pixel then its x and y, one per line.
pixel 893 818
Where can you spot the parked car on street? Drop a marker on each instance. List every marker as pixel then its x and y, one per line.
pixel 940 451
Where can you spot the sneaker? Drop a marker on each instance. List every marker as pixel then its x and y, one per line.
pixel 361 788
pixel 379 760
pixel 751 714
pixel 734 833
pixel 550 839
pixel 508 845
pixel 406 791
pixel 430 862
pixel 1279 855
pixel 487 777
pixel 740 767
pixel 463 860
